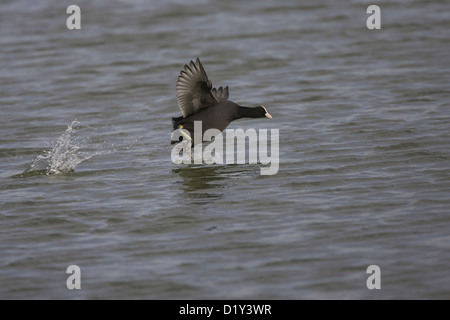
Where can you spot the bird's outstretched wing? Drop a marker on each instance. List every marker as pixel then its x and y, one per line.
pixel 194 89
pixel 220 94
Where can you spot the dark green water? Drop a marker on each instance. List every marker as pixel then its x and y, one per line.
pixel 364 173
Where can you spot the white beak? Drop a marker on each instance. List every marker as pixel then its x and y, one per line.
pixel 267 114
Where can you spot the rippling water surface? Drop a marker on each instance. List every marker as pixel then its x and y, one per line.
pixel 364 173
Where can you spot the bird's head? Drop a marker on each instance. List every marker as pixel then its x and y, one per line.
pixel 264 112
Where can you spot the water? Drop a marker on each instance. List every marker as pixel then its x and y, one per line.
pixel 364 151
pixel 62 157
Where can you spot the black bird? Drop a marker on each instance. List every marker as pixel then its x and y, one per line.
pixel 199 101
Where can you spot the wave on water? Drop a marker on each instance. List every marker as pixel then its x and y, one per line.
pixel 63 157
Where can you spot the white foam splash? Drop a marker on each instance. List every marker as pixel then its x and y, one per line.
pixel 63 157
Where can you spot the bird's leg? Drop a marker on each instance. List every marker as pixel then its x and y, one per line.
pixel 186 136
pixel 184 133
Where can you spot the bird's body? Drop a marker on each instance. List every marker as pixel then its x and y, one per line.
pixel 198 101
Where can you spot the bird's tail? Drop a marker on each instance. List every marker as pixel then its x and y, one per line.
pixel 176 125
pixel 175 122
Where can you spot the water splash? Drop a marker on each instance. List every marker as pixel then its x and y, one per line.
pixel 63 157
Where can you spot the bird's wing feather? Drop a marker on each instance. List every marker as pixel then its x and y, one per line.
pixel 194 89
pixel 220 94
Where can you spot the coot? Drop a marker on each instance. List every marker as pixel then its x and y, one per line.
pixel 199 101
